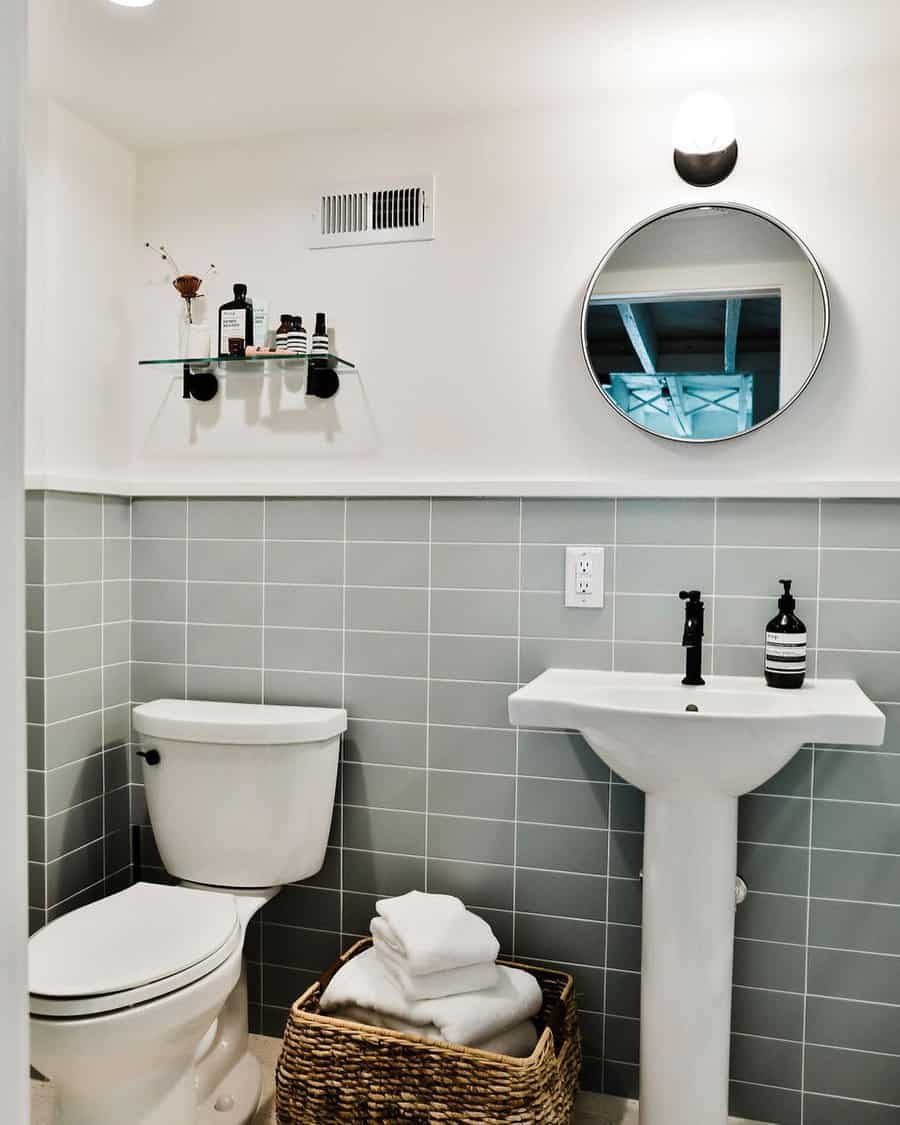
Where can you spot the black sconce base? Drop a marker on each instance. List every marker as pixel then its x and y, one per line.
pixel 707 168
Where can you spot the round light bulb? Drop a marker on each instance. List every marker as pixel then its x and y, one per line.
pixel 704 124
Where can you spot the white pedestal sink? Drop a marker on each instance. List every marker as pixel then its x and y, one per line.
pixel 694 751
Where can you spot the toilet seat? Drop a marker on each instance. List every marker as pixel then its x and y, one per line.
pixel 143 943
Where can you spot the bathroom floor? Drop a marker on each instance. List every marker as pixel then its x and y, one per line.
pixel 266 1050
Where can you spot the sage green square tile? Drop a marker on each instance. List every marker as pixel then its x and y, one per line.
pixel 373 873
pixel 388 519
pixel 384 787
pixel 574 522
pixel 474 658
pixel 304 650
pixel 576 803
pixel 767 523
pixel 220 560
pixel 225 685
pixel 494 613
pixel 309 606
pixel 463 794
pixel 288 518
pixel 562 754
pixel 860 523
pixel 537 654
pixel 73 560
pixel 772 918
pixel 849 1074
pixel 554 848
pixel 756 571
pixel 225 603
pixel 864 927
pixel 484 841
pixel 663 569
pixel 72 515
pixel 225 518
pixel 384 830
pixel 159 518
pixel 224 646
pixel 855 976
pixel 394 609
pixel 387 564
pixel 850 776
pixel 475 884
pixel 475 521
pixel 665 522
pixel 472 750
pixel 457 703
pixel 389 744
pixel 561 894
pixel 484 566
pixel 389 654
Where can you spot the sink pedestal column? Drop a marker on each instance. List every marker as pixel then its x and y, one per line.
pixel 690 865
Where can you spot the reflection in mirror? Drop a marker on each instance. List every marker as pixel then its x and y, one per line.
pixel 705 322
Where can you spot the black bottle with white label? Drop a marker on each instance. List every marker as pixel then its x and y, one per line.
pixel 236 325
pixel 785 644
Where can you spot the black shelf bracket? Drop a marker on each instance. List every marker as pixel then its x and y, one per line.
pixel 200 383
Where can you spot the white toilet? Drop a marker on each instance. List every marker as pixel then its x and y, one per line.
pixel 139 1001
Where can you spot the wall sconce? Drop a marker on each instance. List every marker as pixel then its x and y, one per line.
pixel 703 134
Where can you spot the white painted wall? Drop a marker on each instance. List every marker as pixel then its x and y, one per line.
pixel 470 370
pixel 81 231
pixel 13 865
pixel 468 347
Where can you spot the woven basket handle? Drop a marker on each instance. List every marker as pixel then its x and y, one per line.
pixel 556 1021
pixel 325 978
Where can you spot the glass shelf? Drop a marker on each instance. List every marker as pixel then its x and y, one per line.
pixel 200 374
pixel 235 363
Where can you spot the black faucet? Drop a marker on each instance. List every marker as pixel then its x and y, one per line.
pixel 692 639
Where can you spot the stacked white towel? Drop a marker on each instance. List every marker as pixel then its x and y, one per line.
pixel 432 972
pixel 433 947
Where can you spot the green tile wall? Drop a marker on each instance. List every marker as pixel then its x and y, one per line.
pixel 420 616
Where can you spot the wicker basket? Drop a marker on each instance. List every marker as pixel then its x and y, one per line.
pixel 334 1072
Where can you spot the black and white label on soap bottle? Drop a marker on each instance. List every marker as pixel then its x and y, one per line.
pixel 786 652
pixel 234 324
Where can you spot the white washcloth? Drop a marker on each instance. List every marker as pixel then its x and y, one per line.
pixel 433 986
pixel 434 933
pixel 470 1018
pixel 518 1041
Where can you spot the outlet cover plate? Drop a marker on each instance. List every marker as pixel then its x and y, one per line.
pixel 584 577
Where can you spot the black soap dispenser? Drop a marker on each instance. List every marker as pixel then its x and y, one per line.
pixel 786 643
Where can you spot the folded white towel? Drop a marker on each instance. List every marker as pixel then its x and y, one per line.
pixel 470 1018
pixel 518 1041
pixel 432 986
pixel 434 933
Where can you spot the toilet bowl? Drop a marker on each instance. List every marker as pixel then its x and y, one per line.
pixel 139 1001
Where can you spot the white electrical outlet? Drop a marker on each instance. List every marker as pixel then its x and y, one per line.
pixel 584 577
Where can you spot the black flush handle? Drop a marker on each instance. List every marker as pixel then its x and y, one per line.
pixel 151 757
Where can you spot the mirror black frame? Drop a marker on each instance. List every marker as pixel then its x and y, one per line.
pixel 706 206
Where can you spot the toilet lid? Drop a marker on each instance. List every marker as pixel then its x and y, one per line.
pixel 143 942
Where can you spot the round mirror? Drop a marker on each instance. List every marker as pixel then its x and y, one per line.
pixel 705 322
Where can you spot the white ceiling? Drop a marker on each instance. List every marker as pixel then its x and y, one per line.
pixel 184 71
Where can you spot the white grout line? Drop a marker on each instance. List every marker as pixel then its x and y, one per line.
pixel 345 515
pixel 428 643
pixel 517 733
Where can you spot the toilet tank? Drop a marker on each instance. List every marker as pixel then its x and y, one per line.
pixel 239 794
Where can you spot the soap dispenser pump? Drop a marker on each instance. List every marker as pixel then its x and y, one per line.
pixel 786 643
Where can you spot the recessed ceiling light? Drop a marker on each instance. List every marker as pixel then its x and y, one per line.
pixel 134 3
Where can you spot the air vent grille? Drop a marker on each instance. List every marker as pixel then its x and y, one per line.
pixel 355 216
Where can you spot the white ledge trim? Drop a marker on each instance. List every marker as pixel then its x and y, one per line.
pixel 290 486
